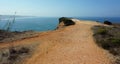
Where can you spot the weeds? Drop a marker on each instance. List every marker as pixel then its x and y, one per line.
pixel 109 39
pixel 115 41
pixel 102 31
pixel 13 54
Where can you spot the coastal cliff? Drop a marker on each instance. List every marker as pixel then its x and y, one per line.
pixel 71 43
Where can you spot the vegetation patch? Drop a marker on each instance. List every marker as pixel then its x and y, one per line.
pixel 102 31
pixel 8 36
pixel 16 54
pixel 108 37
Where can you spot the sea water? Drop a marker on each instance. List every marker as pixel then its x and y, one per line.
pixel 35 24
pixel 46 23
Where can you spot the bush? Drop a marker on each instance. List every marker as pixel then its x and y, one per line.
pixel 115 41
pixel 115 51
pixel 105 45
pixel 102 31
pixel 108 38
pixel 15 53
pixel 23 50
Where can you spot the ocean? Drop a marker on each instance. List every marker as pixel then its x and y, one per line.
pixel 45 23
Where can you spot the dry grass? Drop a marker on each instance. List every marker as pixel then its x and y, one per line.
pixel 7 36
pixel 108 37
pixel 16 54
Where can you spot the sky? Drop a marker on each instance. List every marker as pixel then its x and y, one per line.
pixel 58 8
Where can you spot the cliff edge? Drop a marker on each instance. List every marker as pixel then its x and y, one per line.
pixel 71 43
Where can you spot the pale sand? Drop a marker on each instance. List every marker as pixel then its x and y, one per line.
pixel 69 45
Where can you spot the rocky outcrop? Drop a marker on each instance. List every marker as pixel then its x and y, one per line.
pixel 108 22
pixel 63 21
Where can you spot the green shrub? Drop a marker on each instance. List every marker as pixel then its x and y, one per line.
pixel 102 31
pixel 117 41
pixel 109 39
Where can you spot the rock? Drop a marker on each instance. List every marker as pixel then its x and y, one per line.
pixel 108 22
pixel 63 21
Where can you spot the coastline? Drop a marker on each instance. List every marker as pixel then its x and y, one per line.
pixel 69 44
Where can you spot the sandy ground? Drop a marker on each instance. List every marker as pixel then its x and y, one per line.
pixel 70 45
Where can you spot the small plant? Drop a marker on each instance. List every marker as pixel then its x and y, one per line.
pixel 102 31
pixel 8 26
pixel 115 40
pixel 12 54
pixel 15 53
pixel 23 50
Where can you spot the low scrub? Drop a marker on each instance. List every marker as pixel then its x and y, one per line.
pixel 108 37
pixel 15 55
pixel 8 36
pixel 102 31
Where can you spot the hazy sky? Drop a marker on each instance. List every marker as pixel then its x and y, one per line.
pixel 52 8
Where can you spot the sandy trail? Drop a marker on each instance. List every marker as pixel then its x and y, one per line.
pixel 71 45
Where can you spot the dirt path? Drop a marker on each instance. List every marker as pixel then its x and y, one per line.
pixel 71 45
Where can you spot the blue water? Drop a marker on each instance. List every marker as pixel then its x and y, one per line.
pixel 46 23
pixel 101 19
pixel 36 24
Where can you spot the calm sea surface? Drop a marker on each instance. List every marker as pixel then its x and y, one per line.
pixel 45 23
